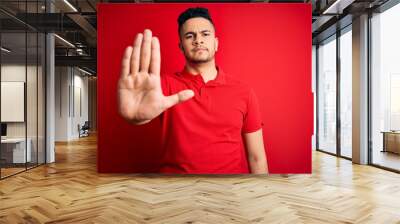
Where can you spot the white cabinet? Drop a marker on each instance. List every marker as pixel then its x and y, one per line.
pixel 17 147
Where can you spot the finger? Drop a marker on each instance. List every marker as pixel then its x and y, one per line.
pixel 145 51
pixel 125 65
pixel 155 57
pixel 135 59
pixel 178 98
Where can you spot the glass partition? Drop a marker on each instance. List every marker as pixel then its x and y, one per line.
pixel 22 77
pixel 14 153
pixel 327 95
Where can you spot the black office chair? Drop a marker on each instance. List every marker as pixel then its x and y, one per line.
pixel 84 130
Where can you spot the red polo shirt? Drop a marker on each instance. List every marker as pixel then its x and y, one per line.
pixel 204 134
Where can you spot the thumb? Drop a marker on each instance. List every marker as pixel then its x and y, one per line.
pixel 178 98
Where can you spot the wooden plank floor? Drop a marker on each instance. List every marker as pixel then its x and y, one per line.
pixel 71 191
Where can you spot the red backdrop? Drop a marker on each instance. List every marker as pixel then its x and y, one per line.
pixel 267 46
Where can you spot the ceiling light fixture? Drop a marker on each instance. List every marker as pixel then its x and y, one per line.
pixel 5 50
pixel 70 5
pixel 64 40
pixel 84 71
pixel 337 7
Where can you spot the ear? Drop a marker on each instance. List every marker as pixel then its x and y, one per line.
pixel 216 44
pixel 180 46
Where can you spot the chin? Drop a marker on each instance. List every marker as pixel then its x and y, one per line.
pixel 200 61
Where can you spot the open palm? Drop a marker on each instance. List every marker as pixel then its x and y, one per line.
pixel 140 97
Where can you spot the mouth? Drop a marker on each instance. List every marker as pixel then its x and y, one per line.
pixel 199 49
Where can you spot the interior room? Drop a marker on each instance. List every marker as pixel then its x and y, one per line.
pixel 50 129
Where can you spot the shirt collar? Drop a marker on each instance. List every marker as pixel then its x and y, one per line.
pixel 219 80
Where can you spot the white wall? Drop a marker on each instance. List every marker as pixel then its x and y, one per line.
pixel 15 72
pixel 314 90
pixel 92 98
pixel 61 103
pixel 71 94
pixel 80 102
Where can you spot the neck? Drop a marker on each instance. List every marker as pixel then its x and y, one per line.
pixel 207 70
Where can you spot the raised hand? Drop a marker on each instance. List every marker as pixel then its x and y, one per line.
pixel 140 97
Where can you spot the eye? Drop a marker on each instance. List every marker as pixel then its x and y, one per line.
pixel 206 34
pixel 189 36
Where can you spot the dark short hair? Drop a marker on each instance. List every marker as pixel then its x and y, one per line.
pixel 193 13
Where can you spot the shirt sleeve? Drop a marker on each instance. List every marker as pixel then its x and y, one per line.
pixel 252 119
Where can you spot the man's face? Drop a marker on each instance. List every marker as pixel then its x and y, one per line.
pixel 198 41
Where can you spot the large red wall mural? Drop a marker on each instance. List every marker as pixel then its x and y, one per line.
pixel 267 46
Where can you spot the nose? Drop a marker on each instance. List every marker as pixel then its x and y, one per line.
pixel 198 40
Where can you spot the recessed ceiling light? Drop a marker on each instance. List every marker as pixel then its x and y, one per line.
pixel 70 5
pixel 64 40
pixel 84 71
pixel 5 50
pixel 338 6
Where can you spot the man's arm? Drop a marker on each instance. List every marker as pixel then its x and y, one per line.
pixel 256 154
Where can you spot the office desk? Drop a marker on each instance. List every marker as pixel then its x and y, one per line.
pixel 391 141
pixel 13 150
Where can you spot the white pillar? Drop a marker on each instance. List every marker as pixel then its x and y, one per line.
pixel 360 89
pixel 50 82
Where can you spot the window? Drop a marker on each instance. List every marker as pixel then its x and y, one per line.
pixel 385 88
pixel 327 95
pixel 346 74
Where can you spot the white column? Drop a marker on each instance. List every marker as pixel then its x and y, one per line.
pixel 50 110
pixel 50 82
pixel 360 89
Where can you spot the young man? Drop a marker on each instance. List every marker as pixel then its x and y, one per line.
pixel 205 113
